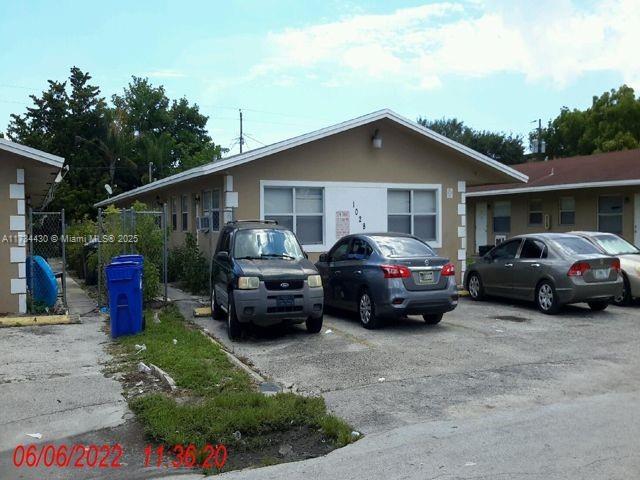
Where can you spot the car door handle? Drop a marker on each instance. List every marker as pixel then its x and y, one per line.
pixel 358 272
pixel 508 265
pixel 535 265
pixel 337 272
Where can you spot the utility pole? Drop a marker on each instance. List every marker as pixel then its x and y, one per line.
pixel 241 137
pixel 150 172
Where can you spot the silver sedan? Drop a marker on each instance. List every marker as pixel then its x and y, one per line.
pixel 551 269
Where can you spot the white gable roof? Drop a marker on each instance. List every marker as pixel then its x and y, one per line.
pixel 32 153
pixel 258 153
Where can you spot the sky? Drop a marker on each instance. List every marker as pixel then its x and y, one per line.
pixel 296 66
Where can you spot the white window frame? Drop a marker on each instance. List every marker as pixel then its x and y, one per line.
pixel 541 212
pixel 293 185
pixel 621 214
pixel 561 211
pixel 413 214
pixel 174 214
pixel 208 209
pixel 184 210
pixel 329 186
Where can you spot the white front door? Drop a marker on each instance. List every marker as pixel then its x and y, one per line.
pixel 481 225
pixel 636 220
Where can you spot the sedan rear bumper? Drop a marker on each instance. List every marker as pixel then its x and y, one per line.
pixel 581 291
pixel 399 302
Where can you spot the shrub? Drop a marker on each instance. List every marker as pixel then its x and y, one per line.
pixel 188 266
pixel 83 231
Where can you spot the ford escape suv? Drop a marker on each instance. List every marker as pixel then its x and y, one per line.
pixel 260 275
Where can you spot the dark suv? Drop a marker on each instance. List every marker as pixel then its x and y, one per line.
pixel 260 275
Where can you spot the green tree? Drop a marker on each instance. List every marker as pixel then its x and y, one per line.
pixel 505 148
pixel 612 122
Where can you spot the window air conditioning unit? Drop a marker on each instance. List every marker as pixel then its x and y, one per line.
pixel 203 224
pixel 500 239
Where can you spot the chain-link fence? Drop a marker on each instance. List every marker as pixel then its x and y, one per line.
pixel 132 231
pixel 46 246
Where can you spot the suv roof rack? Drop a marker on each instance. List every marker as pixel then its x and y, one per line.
pixel 271 222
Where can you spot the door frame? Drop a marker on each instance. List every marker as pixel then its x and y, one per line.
pixel 482 227
pixel 636 219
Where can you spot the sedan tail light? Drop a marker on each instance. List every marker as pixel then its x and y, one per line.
pixel 448 270
pixel 395 271
pixel 616 264
pixel 578 269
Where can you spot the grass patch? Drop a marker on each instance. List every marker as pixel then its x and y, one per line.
pixel 226 401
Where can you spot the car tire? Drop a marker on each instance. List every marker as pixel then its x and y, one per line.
pixel 314 325
pixel 367 311
pixel 216 312
pixel 547 298
pixel 432 318
pixel 234 327
pixel 624 299
pixel 474 286
pixel 599 305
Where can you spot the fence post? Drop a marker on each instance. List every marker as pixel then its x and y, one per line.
pixel 165 258
pixel 64 258
pixel 99 257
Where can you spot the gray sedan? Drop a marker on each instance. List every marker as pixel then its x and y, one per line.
pixel 387 275
pixel 551 269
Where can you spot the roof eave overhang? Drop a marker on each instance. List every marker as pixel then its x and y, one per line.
pixel 550 188
pixel 252 155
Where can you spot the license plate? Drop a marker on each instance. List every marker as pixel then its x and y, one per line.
pixel 601 273
pixel 284 301
pixel 425 278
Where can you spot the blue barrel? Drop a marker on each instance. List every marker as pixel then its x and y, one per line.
pixel 124 282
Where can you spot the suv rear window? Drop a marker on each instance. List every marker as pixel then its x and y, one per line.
pixel 268 242
pixel 403 247
pixel 576 246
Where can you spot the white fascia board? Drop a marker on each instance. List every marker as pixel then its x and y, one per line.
pixel 550 188
pixel 32 153
pixel 258 153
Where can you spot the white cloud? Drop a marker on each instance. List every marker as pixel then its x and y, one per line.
pixel 165 74
pixel 545 41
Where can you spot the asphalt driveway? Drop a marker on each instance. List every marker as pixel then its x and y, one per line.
pixel 482 358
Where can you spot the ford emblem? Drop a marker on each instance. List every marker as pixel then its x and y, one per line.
pixel 284 285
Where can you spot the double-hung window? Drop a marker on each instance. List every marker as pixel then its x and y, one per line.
pixel 211 207
pixel 502 217
pixel 535 212
pixel 174 213
pixel 414 212
pixel 567 211
pixel 300 209
pixel 610 214
pixel 184 209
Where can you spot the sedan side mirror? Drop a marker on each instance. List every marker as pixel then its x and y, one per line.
pixel 222 256
pixel 324 258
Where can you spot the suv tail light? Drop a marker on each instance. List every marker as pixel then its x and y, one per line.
pixel 395 271
pixel 616 264
pixel 448 270
pixel 578 269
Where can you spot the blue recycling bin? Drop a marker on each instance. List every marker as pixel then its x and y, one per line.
pixel 128 258
pixel 124 282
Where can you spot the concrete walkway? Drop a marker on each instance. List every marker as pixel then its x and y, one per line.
pixel 51 379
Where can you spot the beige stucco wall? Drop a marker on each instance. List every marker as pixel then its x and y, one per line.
pixel 405 158
pixel 586 216
pixel 8 302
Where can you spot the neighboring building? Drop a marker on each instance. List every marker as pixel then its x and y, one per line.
pixel 378 172
pixel 595 192
pixel 27 175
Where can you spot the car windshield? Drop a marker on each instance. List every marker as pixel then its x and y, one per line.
pixel 614 245
pixel 266 243
pixel 403 247
pixel 576 246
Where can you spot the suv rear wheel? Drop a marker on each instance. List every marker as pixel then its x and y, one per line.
pixel 234 327
pixel 367 311
pixel 216 312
